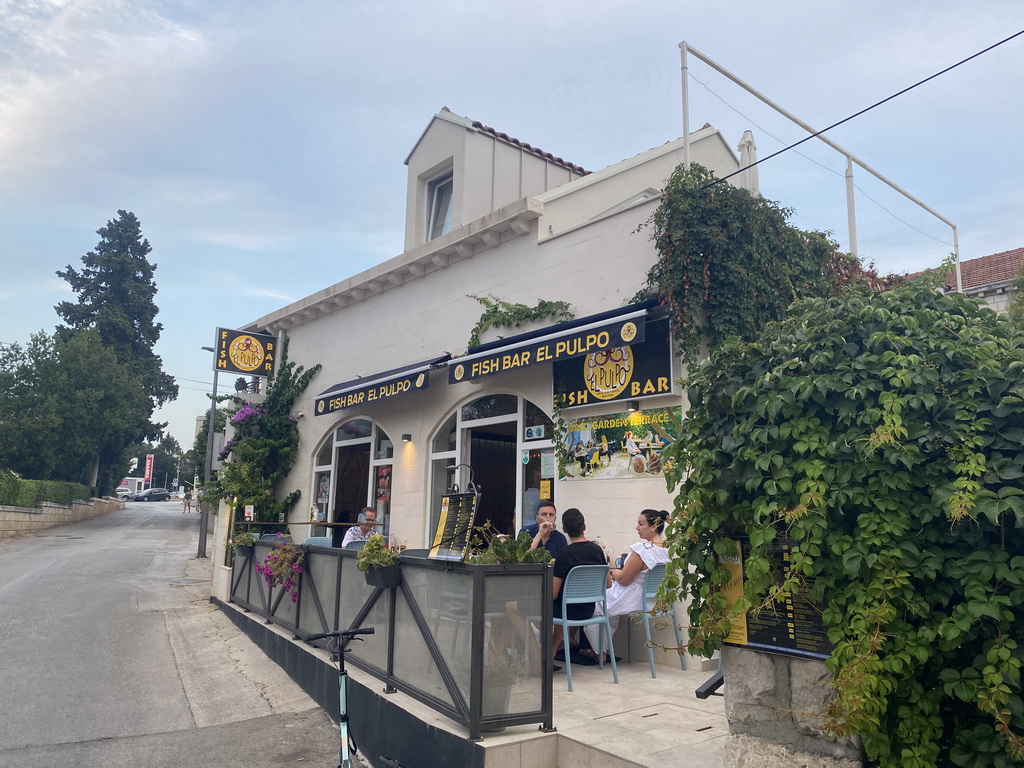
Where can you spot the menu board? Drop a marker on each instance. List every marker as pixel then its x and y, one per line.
pixel 793 628
pixel 454 525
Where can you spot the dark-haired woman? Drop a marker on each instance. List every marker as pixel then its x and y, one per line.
pixel 626 584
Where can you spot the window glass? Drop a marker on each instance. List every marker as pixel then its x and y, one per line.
pixel 444 440
pixel 384 449
pixel 353 429
pixel 442 478
pixel 440 207
pixel 536 424
pixel 323 459
pixel 490 405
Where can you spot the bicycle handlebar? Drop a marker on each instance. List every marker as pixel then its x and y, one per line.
pixel 342 633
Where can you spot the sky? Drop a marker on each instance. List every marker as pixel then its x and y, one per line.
pixel 262 144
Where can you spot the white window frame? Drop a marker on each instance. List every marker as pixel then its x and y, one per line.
pixel 434 187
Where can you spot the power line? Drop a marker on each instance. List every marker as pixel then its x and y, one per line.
pixel 820 165
pixel 868 109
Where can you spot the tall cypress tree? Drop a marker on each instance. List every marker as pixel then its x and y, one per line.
pixel 115 296
pixel 115 290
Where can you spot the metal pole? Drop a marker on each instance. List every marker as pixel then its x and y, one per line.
pixel 204 514
pixel 686 106
pixel 851 214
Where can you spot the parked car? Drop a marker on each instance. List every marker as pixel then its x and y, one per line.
pixel 124 494
pixel 153 494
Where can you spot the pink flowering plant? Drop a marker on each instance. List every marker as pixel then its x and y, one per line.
pixel 283 567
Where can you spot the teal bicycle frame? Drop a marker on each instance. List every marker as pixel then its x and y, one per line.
pixel 336 648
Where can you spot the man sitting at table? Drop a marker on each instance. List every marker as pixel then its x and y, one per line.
pixel 544 532
pixel 580 551
pixel 363 531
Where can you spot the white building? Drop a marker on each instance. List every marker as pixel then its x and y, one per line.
pixel 402 409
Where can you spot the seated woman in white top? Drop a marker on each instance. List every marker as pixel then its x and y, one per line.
pixel 626 585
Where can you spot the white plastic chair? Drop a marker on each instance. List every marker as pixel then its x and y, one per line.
pixel 653 578
pixel 586 584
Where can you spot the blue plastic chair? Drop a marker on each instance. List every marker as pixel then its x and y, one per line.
pixel 318 541
pixel 356 545
pixel 652 579
pixel 586 584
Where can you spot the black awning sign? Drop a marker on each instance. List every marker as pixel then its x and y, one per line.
pixel 548 350
pixel 379 390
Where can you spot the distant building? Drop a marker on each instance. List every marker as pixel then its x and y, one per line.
pixel 990 277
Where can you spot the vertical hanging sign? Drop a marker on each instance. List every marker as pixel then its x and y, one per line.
pixel 244 352
pixel 149 469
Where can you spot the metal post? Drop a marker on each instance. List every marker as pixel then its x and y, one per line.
pixel 204 514
pixel 851 214
pixel 686 105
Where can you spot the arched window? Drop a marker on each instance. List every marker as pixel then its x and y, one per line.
pixel 352 470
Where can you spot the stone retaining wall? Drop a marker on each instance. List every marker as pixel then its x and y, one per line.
pixel 775 706
pixel 21 521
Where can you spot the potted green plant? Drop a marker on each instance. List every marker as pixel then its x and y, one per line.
pixel 241 542
pixel 506 550
pixel 379 564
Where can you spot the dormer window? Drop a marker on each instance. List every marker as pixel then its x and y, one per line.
pixel 440 201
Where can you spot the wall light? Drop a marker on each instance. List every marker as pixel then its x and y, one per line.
pixel 406 437
pixel 633 406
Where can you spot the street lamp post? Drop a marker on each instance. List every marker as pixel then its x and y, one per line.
pixel 204 514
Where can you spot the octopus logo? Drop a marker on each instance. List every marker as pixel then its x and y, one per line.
pixel 628 332
pixel 607 373
pixel 420 381
pixel 460 371
pixel 246 353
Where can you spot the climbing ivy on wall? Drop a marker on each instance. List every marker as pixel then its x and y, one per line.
pixel 263 448
pixel 506 314
pixel 882 435
pixel 729 262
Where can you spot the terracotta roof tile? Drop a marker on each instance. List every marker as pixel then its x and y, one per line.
pixel 577 169
pixel 986 270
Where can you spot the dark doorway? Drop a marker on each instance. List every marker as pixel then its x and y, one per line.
pixel 493 459
pixel 351 483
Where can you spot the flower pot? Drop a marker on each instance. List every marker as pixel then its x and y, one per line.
pixel 388 577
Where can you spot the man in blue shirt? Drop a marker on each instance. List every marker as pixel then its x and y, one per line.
pixel 544 531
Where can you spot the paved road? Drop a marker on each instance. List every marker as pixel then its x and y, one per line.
pixel 112 656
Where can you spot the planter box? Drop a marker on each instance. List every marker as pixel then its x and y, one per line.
pixel 388 577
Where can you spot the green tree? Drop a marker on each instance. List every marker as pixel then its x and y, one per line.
pixel 882 436
pixel 116 292
pixel 729 262
pixel 69 410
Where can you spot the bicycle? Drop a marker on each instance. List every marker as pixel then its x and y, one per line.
pixel 336 649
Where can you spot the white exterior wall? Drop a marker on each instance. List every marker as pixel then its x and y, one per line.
pixel 575 205
pixel 596 268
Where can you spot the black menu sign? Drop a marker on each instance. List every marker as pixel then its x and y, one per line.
pixel 454 525
pixel 793 628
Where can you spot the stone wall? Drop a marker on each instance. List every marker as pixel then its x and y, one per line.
pixel 21 521
pixel 775 707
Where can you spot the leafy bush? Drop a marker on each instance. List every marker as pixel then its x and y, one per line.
pixel 17 492
pixel 882 435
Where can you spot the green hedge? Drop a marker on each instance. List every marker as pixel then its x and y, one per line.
pixel 16 492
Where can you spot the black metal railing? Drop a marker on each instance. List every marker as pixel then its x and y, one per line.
pixel 472 642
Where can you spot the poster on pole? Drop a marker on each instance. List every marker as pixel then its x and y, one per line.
pixel 149 469
pixel 454 526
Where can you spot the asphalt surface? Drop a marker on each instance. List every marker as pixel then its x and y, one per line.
pixel 112 656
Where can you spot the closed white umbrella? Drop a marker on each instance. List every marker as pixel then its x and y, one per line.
pixel 748 156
